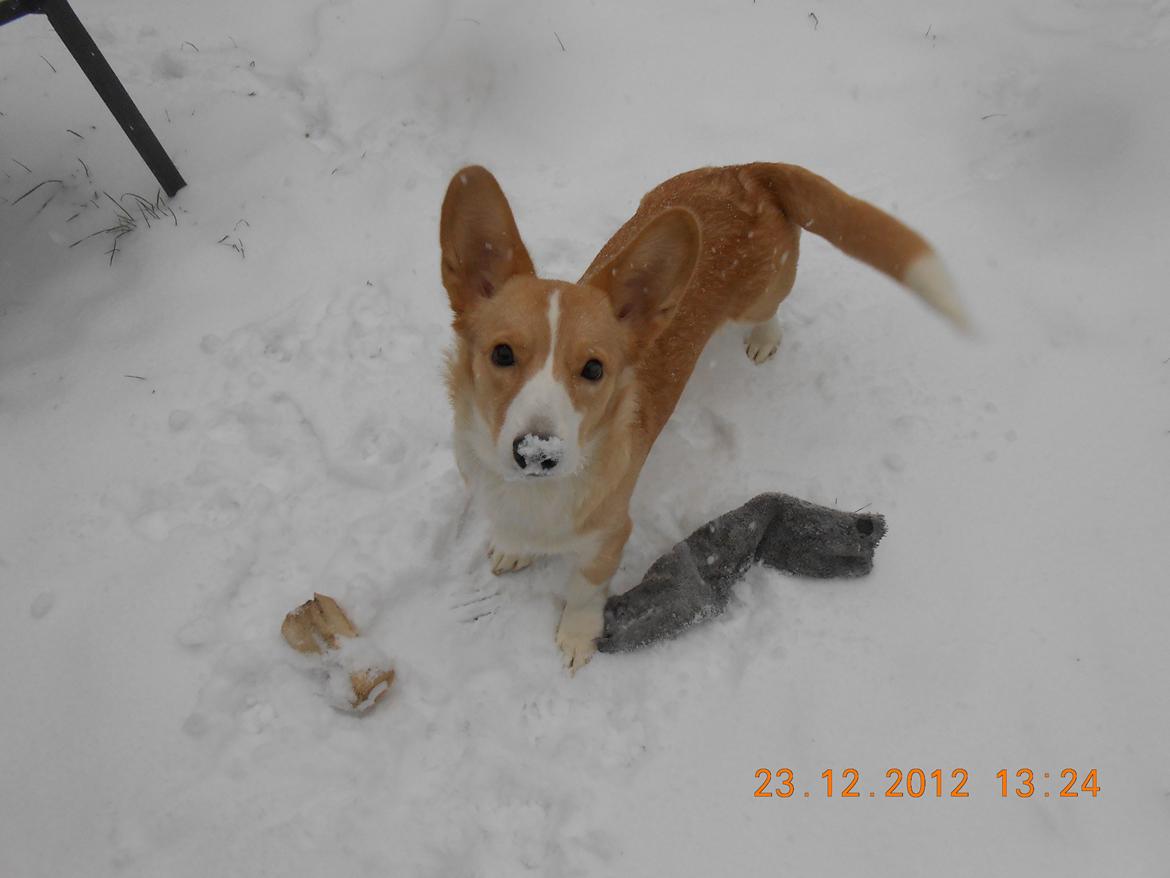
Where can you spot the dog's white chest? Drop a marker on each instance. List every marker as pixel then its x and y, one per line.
pixel 527 515
pixel 532 517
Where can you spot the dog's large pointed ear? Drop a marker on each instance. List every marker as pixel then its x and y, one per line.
pixel 480 243
pixel 646 280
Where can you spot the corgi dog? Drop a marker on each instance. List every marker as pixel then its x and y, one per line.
pixel 559 389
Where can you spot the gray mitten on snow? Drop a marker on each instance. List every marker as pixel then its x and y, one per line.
pixel 693 581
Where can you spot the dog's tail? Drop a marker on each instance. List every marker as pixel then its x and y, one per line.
pixel 864 232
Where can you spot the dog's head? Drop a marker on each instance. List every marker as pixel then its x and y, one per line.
pixel 547 363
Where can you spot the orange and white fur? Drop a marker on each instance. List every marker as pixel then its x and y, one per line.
pixel 560 389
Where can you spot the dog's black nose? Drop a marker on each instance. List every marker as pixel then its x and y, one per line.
pixel 537 452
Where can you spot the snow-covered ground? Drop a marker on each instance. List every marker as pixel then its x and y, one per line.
pixel 247 406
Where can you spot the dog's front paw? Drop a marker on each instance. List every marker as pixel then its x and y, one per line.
pixel 577 634
pixel 502 562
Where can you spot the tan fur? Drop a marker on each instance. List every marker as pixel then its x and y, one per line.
pixel 519 321
pixel 704 248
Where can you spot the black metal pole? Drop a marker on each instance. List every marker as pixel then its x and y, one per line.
pixel 85 51
pixel 10 10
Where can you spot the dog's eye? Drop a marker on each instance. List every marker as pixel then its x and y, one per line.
pixel 593 371
pixel 502 355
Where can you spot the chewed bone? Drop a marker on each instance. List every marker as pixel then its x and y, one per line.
pixel 359 675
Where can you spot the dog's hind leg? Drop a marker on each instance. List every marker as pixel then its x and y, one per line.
pixel 764 336
pixel 763 339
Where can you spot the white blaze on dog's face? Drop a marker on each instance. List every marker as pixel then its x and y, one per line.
pixel 547 364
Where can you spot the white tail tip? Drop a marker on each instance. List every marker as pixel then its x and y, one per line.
pixel 928 277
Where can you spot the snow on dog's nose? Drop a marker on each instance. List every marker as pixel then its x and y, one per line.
pixel 537 453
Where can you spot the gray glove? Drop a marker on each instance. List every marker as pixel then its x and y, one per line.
pixel 693 581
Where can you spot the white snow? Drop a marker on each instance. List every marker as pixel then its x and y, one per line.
pixel 545 446
pixel 41 604
pixel 284 430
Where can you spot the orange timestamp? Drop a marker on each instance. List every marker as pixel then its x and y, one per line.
pixel 918 783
